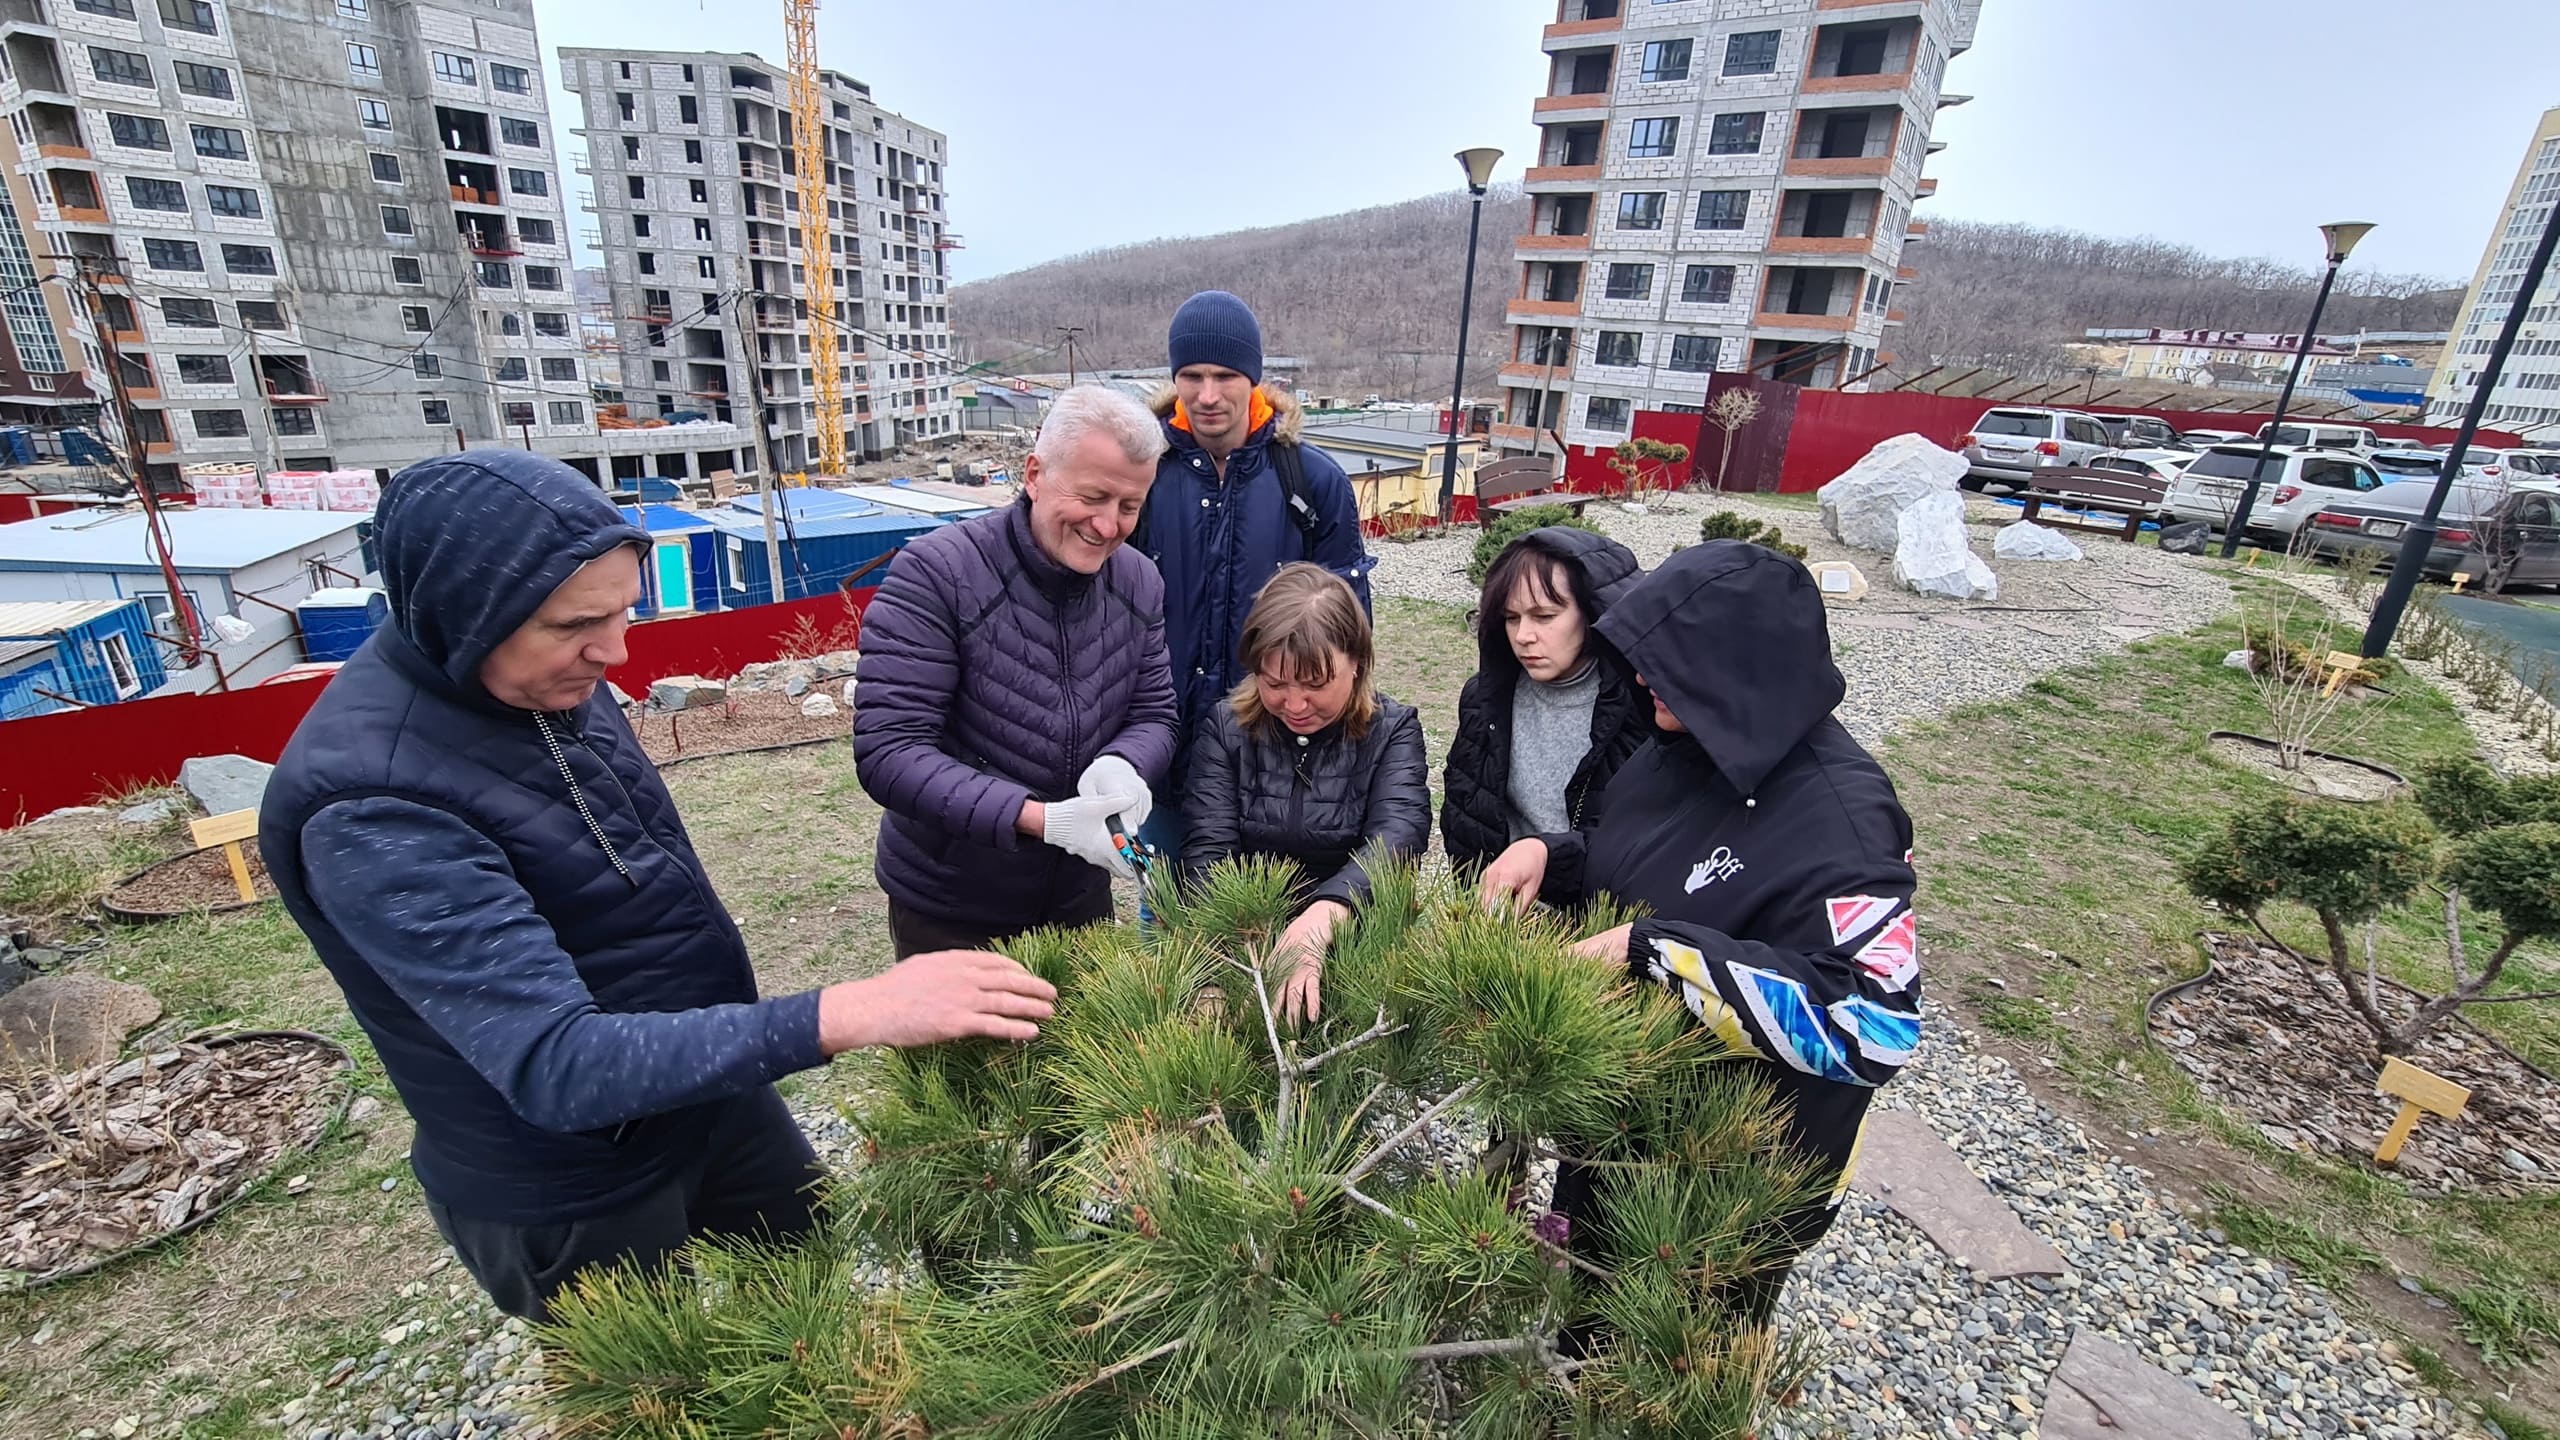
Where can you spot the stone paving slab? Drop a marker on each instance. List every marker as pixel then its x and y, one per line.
pixel 1903 1163
pixel 2105 1391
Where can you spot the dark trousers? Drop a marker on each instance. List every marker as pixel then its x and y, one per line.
pixel 754 1179
pixel 914 933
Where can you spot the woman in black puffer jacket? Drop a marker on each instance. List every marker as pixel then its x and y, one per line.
pixel 1306 762
pixel 1552 710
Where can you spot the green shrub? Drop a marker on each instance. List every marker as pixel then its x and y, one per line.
pixel 1511 525
pixel 1727 525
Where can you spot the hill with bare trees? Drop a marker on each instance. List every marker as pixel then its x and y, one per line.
pixel 1369 298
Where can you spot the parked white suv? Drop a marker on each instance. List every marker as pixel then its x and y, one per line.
pixel 2297 481
pixel 2310 435
pixel 2008 445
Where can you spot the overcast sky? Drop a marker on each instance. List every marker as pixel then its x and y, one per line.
pixel 2236 126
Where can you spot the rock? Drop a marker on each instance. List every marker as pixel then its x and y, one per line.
pixel 686 692
pixel 2184 538
pixel 69 1022
pixel 2028 540
pixel 848 693
pixel 69 812
pixel 1839 580
pixel 1935 554
pixel 839 662
pixel 2520 1162
pixel 224 783
pixel 365 1108
pixel 797 683
pixel 1862 509
pixel 817 707
pixel 152 812
pixel 2240 660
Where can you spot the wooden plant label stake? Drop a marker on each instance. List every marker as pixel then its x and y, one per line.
pixel 2417 1090
pixel 2340 665
pixel 228 831
pixel 2460 579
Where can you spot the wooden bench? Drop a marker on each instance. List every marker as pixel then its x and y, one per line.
pixel 1521 484
pixel 2111 492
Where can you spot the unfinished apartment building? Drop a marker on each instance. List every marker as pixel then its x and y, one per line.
pixel 328 232
pixel 697 205
pixel 1719 185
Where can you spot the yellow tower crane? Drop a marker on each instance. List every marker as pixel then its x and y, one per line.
pixel 817 262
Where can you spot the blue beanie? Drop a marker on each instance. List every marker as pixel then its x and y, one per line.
pixel 1215 328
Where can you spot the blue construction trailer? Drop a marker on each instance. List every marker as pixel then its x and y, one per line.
pixel 103 649
pixel 819 556
pixel 682 574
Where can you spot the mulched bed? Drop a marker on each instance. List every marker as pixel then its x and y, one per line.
pixel 199 880
pixel 2271 1039
pixel 2329 776
pixel 763 721
pixel 117 1157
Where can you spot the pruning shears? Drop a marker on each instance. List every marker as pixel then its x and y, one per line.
pixel 1124 839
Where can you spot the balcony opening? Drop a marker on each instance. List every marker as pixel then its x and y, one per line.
pixel 1589 10
pixel 1811 290
pixel 1583 72
pixel 288 378
pixel 1543 345
pixel 35 63
pixel 1573 145
pixel 1829 214
pixel 1561 282
pixel 75 189
pixel 1845 135
pixel 1562 215
pixel 1878 48
pixel 472 183
pixel 57 125
pixel 1814 365
pixel 466 130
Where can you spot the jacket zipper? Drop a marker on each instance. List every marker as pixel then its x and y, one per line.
pixel 578 797
pixel 1298 790
pixel 1067 686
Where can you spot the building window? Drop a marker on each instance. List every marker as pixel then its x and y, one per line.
pixel 204 370
pixel 536 232
pixel 688 110
pixel 119 67
pixel 248 259
pixel 568 412
pixel 1606 412
pixel 205 82
pixel 363 62
pixel 693 152
pixel 262 314
pixel 137 132
pixel 1753 52
pixel 386 168
pixel 221 424
pixel 293 420
pixel 622 102
pixel 1618 347
pixel 219 142
pixel 709 268
pixel 1640 210
pixel 173 254
pixel 551 323
pixel 414 319
pixel 700 193
pixel 541 277
pixel 1737 134
pixel 559 367
pixel 373 114
pixel 519 412
pixel 510 79
pixel 426 366
pixel 150 194
pixel 512 325
pixel 456 68
pixel 1665 60
pixel 396 220
pixel 640 227
pixel 648 262
pixel 637 186
pixel 405 270
pixel 193 15
pixel 1707 285
pixel 513 131
pixel 508 368
pixel 1694 352
pixel 1723 209
pixel 1630 282
pixel 1654 139
pixel 528 182
pixel 235 201
pixel 355 9
pixel 494 274
pixel 438 413
pixel 112 9
pixel 117 651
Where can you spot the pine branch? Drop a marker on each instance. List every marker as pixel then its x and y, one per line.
pixel 1279 1055
pixel 1474 1349
pixel 1405 1136
pixel 1568 1257
pixel 1103 1376
pixel 1379 1031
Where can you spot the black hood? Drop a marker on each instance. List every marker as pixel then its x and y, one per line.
pixel 1609 568
pixel 472 544
pixel 1733 640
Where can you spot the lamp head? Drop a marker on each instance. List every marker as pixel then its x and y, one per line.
pixel 1479 163
pixel 2341 236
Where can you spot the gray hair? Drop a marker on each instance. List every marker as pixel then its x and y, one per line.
pixel 1087 408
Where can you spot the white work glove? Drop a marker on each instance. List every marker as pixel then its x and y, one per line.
pixel 1082 828
pixel 1114 778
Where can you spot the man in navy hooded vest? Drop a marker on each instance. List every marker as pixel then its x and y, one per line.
pixel 493 872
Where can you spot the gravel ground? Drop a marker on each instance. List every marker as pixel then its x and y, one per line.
pixel 1906 655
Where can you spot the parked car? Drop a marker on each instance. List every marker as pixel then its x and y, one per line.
pixel 2164 466
pixel 2414 464
pixel 2296 482
pixel 2199 439
pixel 2007 445
pixel 2497 535
pixel 2315 435
pixel 2138 432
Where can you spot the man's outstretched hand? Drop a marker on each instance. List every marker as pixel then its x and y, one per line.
pixel 928 999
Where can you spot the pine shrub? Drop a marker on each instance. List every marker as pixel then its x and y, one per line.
pixel 1500 531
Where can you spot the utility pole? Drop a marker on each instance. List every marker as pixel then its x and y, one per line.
pixel 1071 332
pixel 768 490
pixel 137 457
pixel 258 384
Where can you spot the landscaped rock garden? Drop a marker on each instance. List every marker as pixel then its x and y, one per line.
pixel 755 720
pixel 185 884
pixel 114 1156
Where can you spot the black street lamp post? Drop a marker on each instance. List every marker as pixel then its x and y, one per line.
pixel 2419 540
pixel 2341 238
pixel 1479 163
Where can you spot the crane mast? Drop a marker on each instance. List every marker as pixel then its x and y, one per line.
pixel 817 262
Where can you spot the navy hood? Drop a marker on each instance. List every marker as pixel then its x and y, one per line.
pixel 472 544
pixel 1609 568
pixel 1733 639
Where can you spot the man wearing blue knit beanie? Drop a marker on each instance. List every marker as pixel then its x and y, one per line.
pixel 1236 497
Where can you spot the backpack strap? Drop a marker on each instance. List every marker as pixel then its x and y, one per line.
pixel 1291 467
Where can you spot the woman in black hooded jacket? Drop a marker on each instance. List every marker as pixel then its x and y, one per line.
pixel 1768 847
pixel 1551 712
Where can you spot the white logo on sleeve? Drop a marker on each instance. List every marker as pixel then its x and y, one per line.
pixel 1719 866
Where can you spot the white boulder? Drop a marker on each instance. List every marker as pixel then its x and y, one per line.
pixel 818 705
pixel 1933 555
pixel 2028 540
pixel 1863 507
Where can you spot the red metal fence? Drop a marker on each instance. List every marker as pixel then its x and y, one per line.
pixel 73 757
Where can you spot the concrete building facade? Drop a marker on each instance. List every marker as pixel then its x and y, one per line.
pixel 329 232
pixel 1719 185
pixel 2527 400
pixel 695 193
